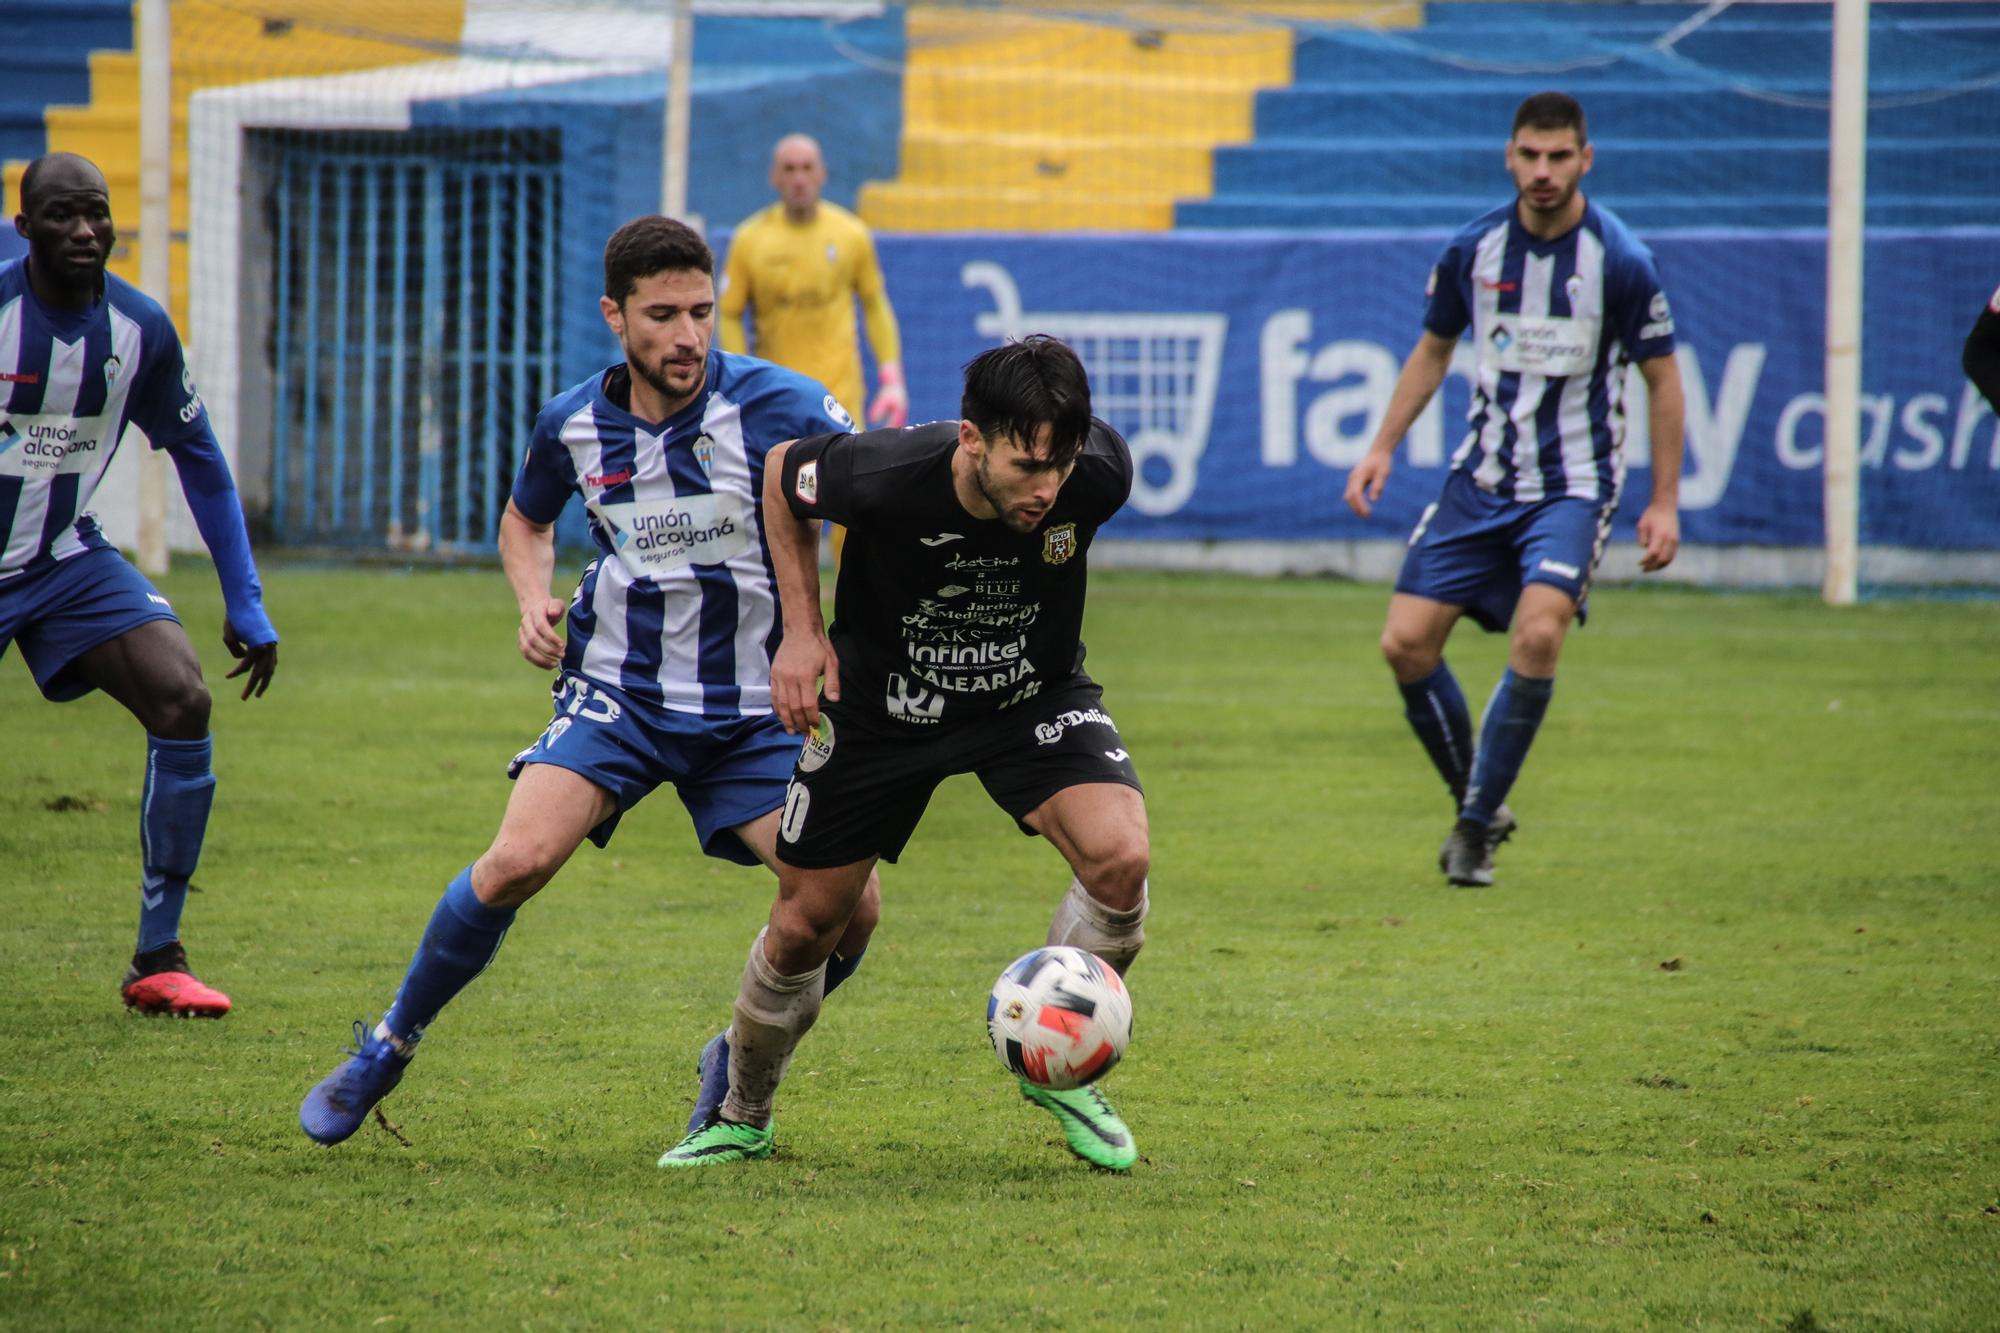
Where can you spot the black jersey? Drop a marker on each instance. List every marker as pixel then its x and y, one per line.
pixel 1982 352
pixel 940 616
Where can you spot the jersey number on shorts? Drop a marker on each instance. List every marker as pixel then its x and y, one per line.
pixel 590 703
pixel 797 798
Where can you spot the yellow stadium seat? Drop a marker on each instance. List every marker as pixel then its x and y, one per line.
pixel 218 43
pixel 1017 121
pixel 1020 161
pixel 895 206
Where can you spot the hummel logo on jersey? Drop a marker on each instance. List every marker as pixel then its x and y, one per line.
pixel 942 538
pixel 20 377
pixel 608 478
pixel 1558 567
pixel 1496 286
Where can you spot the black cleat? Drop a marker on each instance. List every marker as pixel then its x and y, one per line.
pixel 1467 856
pixel 1503 827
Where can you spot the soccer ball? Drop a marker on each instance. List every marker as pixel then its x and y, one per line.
pixel 1059 1017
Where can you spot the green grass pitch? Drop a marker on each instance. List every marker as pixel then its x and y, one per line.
pixel 1718 1051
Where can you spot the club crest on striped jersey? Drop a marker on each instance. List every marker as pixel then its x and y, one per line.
pixel 704 454
pixel 1059 543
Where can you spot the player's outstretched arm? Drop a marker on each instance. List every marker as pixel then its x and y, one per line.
pixel 805 654
pixel 1666 416
pixel 528 555
pixel 892 400
pixel 1422 372
pixel 247 631
pixel 891 404
pixel 733 299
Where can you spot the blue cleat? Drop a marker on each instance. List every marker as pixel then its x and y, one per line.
pixel 714 1072
pixel 338 1103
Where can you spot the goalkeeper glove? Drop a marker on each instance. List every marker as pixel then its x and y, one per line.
pixel 892 401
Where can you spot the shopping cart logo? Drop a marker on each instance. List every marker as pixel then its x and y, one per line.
pixel 1153 376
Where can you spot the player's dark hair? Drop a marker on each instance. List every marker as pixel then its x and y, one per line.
pixel 1014 389
pixel 31 178
pixel 649 245
pixel 1551 111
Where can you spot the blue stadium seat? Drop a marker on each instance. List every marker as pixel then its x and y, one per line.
pixel 1444 213
pixel 46 61
pixel 1716 122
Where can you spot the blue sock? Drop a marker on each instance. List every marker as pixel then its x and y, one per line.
pixel 460 941
pixel 1436 709
pixel 839 969
pixel 173 818
pixel 1512 718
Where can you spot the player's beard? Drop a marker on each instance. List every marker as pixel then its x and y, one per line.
pixel 656 376
pixel 1556 204
pixel 981 479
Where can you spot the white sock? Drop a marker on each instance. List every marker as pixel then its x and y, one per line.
pixel 1085 923
pixel 772 1013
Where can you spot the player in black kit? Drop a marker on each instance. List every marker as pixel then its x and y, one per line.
pixel 955 648
pixel 1982 352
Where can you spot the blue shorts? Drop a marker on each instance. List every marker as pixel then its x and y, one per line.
pixel 728 771
pixel 1478 550
pixel 60 613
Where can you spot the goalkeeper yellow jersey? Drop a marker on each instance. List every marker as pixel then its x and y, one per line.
pixel 800 281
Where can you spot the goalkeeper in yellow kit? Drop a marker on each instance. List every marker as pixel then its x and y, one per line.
pixel 799 266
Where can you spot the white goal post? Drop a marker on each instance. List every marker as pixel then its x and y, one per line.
pixel 1846 212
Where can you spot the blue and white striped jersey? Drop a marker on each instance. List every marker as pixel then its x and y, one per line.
pixel 681 605
pixel 1554 326
pixel 70 382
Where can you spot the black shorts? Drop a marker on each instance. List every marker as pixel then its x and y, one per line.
pixel 863 780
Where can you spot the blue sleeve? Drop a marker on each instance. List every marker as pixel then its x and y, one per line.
pixel 164 402
pixel 1639 311
pixel 1444 296
pixel 211 494
pixel 547 475
pixel 808 409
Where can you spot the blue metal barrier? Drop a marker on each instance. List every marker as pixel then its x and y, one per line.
pixel 396 421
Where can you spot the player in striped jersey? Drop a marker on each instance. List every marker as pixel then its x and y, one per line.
pixel 83 355
pixel 665 674
pixel 1560 298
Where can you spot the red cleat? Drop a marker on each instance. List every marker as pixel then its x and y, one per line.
pixel 159 983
